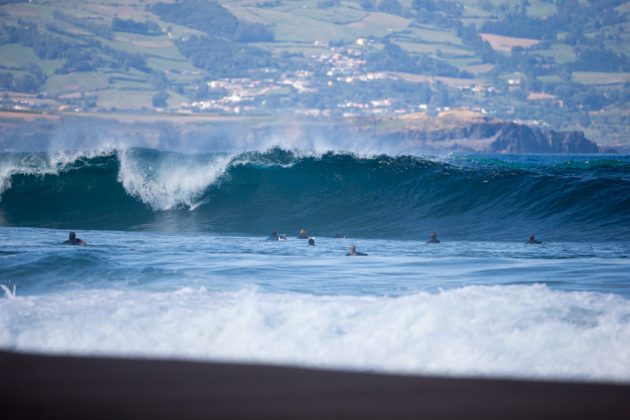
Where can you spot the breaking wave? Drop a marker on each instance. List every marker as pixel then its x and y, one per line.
pixel 330 192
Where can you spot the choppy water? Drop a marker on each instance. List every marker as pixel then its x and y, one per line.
pixel 177 264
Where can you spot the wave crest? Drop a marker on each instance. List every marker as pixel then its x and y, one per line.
pixel 377 196
pixel 170 180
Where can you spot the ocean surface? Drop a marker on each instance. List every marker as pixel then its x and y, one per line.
pixel 178 266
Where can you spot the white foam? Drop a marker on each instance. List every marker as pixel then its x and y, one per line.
pixel 167 182
pixel 6 171
pixel 60 159
pixel 171 181
pixel 521 331
pixel 40 164
pixel 30 164
pixel 317 146
pixel 175 179
pixel 10 294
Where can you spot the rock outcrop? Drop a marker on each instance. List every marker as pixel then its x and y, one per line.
pixel 454 131
pixel 496 137
pixel 514 138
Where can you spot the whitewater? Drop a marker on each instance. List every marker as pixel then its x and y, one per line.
pixel 178 266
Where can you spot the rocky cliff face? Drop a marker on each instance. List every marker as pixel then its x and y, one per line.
pixel 498 137
pixel 514 138
pixel 422 133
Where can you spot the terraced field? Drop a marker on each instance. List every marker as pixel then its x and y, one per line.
pixel 465 52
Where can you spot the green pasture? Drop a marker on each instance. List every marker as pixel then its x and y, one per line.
pixel 41 15
pixel 125 83
pixel 291 28
pixel 16 55
pixel 549 79
pixel 377 24
pixel 433 49
pixel 337 15
pixel 76 82
pixel 600 78
pixel 307 49
pixel 561 53
pixel 461 62
pixel 473 10
pixel 429 34
pixel 171 65
pixel 540 9
pixel 125 99
pixel 474 21
pixel 167 51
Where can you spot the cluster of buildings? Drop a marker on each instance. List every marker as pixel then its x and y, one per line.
pixel 341 65
pixel 330 70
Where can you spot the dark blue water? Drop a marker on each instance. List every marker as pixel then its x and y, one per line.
pixel 177 264
pixel 404 197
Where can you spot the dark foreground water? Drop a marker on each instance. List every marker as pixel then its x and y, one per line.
pixel 178 265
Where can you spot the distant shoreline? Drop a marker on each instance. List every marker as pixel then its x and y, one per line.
pixel 123 117
pixel 454 130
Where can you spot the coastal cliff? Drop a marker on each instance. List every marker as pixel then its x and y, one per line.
pixel 500 137
pixel 473 133
pixel 514 138
pixel 449 131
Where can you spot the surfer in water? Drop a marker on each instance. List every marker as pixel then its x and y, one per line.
pixel 311 241
pixel 433 239
pixel 532 240
pixel 275 237
pixel 73 240
pixel 303 234
pixel 353 252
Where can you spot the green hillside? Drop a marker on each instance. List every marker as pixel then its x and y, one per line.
pixel 562 63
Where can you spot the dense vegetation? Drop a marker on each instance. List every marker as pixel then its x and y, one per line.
pixel 131 26
pixel 563 62
pixel 80 56
pixel 213 19
pixel 523 26
pixel 394 58
pixel 98 29
pixel 222 57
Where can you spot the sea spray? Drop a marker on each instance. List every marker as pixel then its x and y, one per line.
pixel 525 331
pixel 10 294
pixel 169 180
pixel 40 164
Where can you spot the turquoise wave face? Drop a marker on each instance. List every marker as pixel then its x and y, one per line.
pixel 470 197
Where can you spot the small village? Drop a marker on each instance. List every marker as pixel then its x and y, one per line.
pixel 249 95
pixel 342 66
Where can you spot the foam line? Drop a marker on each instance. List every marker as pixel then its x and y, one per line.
pixel 520 331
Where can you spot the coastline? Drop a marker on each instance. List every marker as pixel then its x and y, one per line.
pixel 46 386
pixel 450 131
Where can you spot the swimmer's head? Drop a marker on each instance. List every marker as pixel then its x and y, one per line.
pixel 311 241
pixel 72 235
